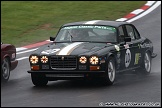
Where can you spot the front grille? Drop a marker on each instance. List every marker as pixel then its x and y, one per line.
pixel 63 62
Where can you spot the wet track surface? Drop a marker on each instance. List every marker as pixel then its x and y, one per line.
pixel 129 87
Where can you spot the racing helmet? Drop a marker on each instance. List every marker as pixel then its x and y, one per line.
pixel 75 32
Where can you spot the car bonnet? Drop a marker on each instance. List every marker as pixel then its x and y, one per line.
pixel 72 48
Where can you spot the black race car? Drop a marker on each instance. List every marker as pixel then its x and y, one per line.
pixel 96 49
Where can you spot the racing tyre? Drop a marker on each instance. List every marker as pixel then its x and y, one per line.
pixel 110 72
pixel 5 71
pixel 146 64
pixel 39 79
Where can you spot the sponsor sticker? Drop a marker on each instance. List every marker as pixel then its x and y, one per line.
pixel 137 57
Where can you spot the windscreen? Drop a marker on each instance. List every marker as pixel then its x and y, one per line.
pixel 87 33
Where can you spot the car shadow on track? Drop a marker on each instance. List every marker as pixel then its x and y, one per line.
pixel 122 79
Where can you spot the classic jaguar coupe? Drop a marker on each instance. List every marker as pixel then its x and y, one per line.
pixel 8 60
pixel 96 49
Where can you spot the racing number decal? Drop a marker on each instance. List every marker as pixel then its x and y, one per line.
pixel 127 58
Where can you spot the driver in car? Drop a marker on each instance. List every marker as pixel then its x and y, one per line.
pixel 79 34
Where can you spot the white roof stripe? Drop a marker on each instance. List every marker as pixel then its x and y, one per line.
pixel 92 22
pixel 121 19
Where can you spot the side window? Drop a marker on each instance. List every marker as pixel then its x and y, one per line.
pixel 121 33
pixel 136 34
pixel 130 31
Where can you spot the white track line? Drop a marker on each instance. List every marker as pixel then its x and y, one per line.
pixel 22 58
pixel 27 51
pixel 21 48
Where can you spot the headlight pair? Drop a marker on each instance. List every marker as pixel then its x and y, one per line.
pixel 44 59
pixel 93 60
pixel 34 59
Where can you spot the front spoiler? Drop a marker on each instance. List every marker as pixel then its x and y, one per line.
pixel 65 71
pixel 53 75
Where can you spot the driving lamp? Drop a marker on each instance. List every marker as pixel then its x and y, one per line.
pixel 94 60
pixel 34 59
pixel 44 59
pixel 83 60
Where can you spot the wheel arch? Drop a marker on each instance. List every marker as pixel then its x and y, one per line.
pixel 113 56
pixel 8 57
pixel 149 51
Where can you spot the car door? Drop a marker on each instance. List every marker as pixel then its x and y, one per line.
pixel 135 44
pixel 126 49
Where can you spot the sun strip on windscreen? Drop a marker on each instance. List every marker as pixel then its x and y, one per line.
pixel 91 26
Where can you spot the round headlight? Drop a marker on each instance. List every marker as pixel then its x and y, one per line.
pixel 83 59
pixel 33 59
pixel 44 59
pixel 94 60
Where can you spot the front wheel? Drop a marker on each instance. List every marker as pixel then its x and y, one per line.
pixel 5 71
pixel 39 79
pixel 110 72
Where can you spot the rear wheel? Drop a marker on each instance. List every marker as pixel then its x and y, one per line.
pixel 146 64
pixel 39 79
pixel 111 71
pixel 5 71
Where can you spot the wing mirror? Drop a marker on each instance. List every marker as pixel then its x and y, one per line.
pixel 124 39
pixel 127 39
pixel 52 38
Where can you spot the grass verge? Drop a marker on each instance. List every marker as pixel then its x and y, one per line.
pixel 27 22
